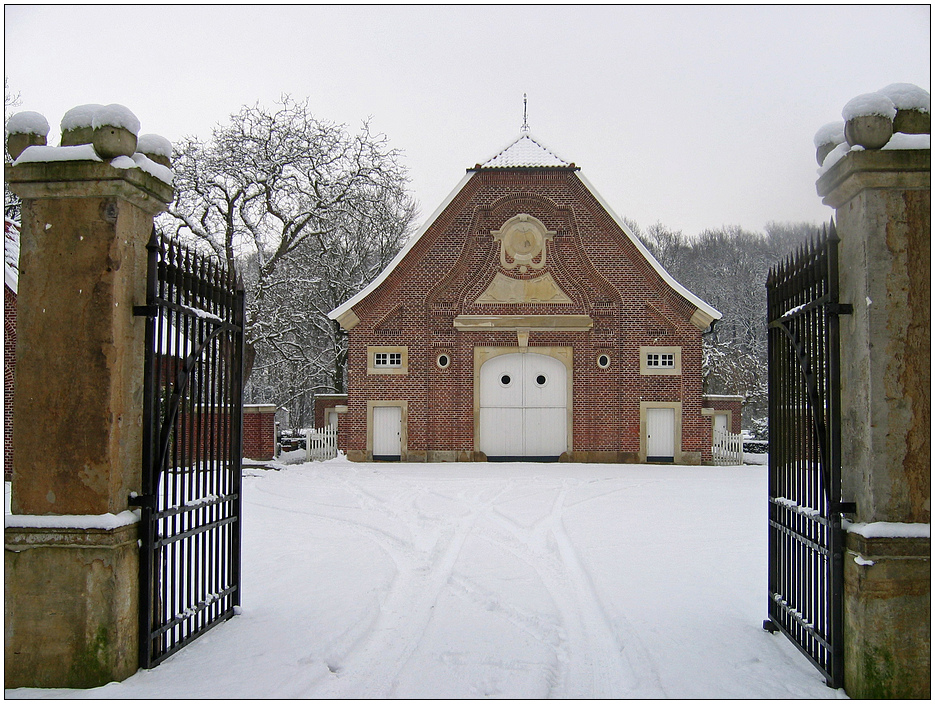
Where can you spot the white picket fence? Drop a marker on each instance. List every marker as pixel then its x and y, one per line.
pixel 321 443
pixel 726 448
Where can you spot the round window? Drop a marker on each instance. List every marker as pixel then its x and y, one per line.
pixel 603 361
pixel 540 380
pixel 443 361
pixel 506 380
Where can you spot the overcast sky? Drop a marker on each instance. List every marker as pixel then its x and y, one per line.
pixel 696 117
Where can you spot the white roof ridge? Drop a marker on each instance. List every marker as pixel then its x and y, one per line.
pixel 666 276
pixel 519 153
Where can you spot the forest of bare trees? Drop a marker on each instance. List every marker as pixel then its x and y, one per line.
pixel 727 268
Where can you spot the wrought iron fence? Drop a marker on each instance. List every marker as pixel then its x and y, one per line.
pixel 806 580
pixel 193 383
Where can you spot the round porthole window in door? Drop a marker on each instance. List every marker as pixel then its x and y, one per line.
pixel 540 380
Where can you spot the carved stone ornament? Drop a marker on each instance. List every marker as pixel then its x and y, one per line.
pixel 522 239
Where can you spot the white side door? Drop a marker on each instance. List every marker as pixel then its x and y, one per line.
pixel 660 434
pixel 720 422
pixel 387 431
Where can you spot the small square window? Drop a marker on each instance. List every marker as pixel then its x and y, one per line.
pixel 387 359
pixel 661 360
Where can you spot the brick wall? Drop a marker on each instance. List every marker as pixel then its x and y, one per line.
pixel 325 401
pixel 9 367
pixel 590 259
pixel 259 432
pixel 734 404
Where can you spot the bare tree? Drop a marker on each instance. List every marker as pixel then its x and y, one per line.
pixel 308 213
pixel 11 202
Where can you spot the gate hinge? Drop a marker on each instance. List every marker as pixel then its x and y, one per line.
pixel 845 507
pixel 146 501
pixel 146 311
pixel 840 308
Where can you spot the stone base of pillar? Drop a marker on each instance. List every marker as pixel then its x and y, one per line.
pixel 71 606
pixel 887 618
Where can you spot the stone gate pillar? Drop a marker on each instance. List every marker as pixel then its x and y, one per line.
pixel 71 556
pixel 882 200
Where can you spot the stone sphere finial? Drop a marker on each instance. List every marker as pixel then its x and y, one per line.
pixel 156 147
pixel 76 125
pixel 827 138
pixel 913 108
pixel 114 131
pixel 25 129
pixel 869 120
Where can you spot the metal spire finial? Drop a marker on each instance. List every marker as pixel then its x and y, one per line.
pixel 525 123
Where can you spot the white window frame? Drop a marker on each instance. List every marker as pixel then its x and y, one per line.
pixel 387 360
pixel 660 360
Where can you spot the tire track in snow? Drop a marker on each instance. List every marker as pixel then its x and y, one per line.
pixel 591 660
pixel 371 671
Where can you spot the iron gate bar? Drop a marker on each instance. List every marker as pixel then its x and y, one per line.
pixel 805 534
pixel 190 523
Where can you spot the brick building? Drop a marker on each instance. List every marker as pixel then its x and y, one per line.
pixel 524 320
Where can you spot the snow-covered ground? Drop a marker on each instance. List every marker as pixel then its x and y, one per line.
pixel 493 580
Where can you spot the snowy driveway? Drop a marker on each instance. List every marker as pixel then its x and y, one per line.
pixel 494 580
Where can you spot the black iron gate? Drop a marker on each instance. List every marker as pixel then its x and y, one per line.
pixel 806 578
pixel 190 522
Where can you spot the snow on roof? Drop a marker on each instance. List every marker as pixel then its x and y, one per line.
pixel 666 276
pixel 524 152
pixel 869 104
pixel 907 96
pixel 80 116
pixel 11 254
pixel 27 122
pixel 410 243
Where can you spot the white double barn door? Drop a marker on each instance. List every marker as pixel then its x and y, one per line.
pixel 523 406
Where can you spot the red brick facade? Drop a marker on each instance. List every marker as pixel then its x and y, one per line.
pixel 732 405
pixel 426 303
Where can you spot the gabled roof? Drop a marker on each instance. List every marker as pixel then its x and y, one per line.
pixel 523 153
